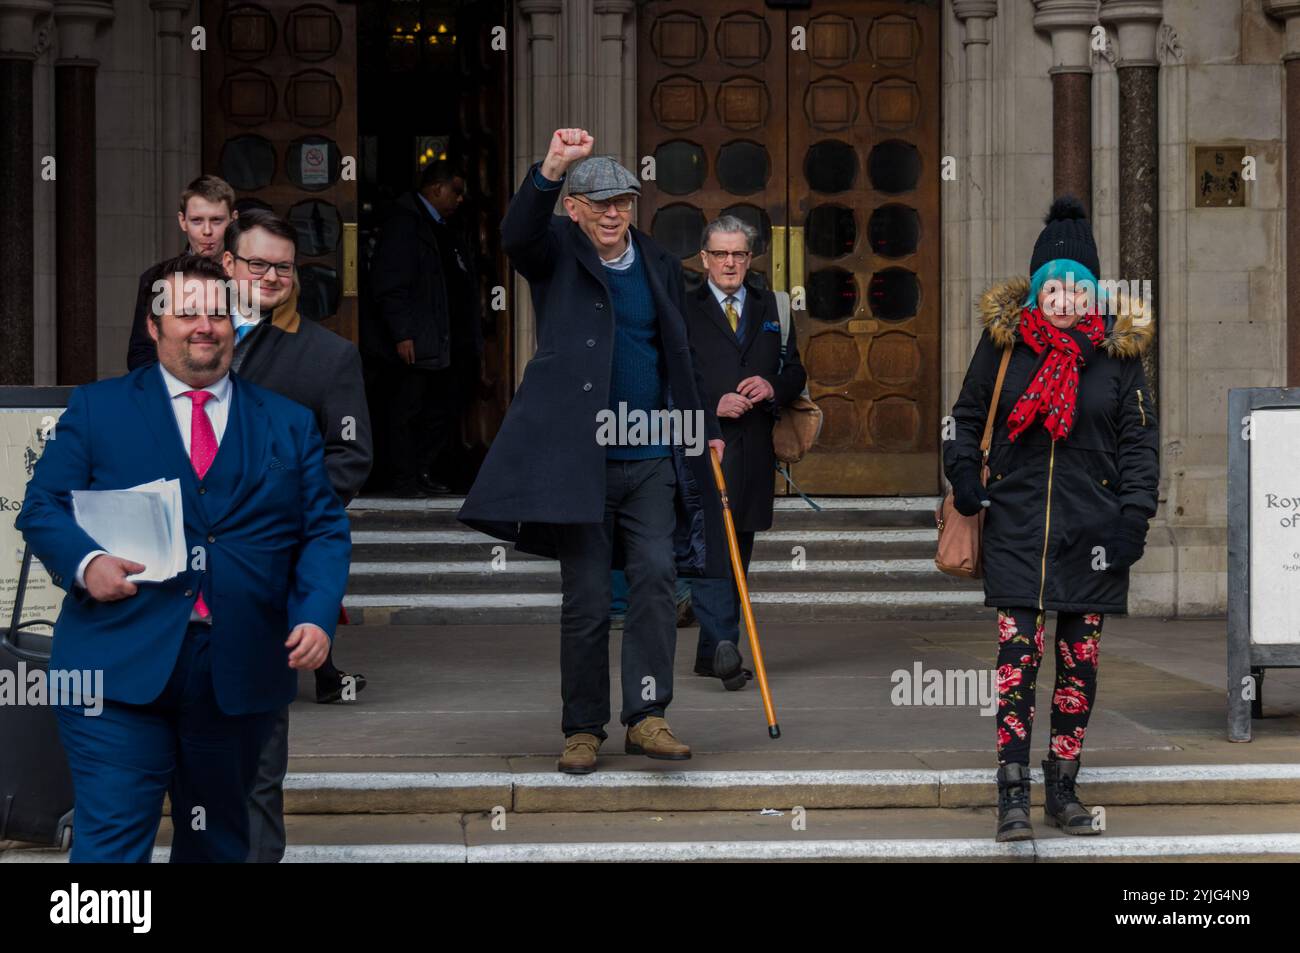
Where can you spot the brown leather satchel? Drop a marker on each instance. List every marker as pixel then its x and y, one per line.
pixel 800 421
pixel 959 536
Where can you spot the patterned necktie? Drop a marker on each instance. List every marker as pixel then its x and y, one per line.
pixel 203 449
pixel 733 316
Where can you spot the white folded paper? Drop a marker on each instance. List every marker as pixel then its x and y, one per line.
pixel 145 523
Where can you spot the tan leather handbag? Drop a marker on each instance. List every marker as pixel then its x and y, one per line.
pixel 800 421
pixel 959 536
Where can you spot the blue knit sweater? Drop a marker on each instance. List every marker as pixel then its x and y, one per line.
pixel 639 367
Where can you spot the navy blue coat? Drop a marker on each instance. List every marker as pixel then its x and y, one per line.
pixel 275 535
pixel 545 466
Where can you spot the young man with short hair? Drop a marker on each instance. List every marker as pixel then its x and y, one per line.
pixel 206 209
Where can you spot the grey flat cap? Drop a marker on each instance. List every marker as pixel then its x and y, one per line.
pixel 600 178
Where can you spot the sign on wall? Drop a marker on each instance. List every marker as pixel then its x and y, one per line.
pixel 24 434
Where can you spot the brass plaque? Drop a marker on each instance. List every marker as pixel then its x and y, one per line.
pixel 1217 180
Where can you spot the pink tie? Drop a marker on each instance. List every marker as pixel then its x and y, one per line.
pixel 203 448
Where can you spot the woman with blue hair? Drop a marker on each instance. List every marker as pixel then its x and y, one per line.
pixel 1067 488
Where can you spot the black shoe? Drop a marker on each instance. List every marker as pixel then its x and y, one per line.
pixel 726 666
pixel 1013 803
pixel 1061 807
pixel 705 668
pixel 432 487
pixel 330 688
pixel 410 491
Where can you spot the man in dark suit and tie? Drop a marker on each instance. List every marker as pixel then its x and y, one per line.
pixel 735 330
pixel 195 667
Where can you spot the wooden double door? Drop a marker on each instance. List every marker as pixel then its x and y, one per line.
pixel 820 127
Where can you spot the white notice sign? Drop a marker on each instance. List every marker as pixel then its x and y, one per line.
pixel 1274 527
pixel 23 435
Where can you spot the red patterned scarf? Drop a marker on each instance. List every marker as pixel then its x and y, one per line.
pixel 1055 390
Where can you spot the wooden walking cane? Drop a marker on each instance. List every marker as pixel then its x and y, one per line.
pixel 738 570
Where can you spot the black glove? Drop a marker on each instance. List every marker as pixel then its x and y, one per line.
pixel 968 494
pixel 1129 541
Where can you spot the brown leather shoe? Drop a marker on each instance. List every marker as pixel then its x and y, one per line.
pixel 579 755
pixel 653 738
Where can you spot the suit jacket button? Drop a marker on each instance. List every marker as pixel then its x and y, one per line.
pixel 188 593
pixel 212 539
pixel 600 306
pixel 202 490
pixel 591 342
pixel 587 386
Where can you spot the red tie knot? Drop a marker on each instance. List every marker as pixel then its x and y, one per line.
pixel 200 397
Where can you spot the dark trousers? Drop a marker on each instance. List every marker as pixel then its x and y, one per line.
pixel 125 759
pixel 640 516
pixel 1021 637
pixel 266 801
pixel 717 606
pixel 424 410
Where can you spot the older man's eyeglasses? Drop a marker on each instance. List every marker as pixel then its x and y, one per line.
pixel 258 267
pixel 621 204
pixel 720 256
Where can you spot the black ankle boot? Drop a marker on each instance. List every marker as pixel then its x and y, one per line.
pixel 1013 803
pixel 1062 808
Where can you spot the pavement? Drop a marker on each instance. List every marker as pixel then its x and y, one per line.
pixel 487 698
pixel 449 756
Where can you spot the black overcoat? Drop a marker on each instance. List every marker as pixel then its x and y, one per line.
pixel 545 465
pixel 1054 510
pixel 749 463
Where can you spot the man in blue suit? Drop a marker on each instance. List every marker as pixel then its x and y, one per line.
pixel 196 667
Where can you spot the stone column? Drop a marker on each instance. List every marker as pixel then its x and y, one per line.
pixel 1289 11
pixel 975 17
pixel 173 41
pixel 537 114
pixel 1070 23
pixel 18 181
pixel 615 124
pixel 1136 22
pixel 75 218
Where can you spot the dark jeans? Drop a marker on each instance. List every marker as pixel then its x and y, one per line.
pixel 640 515
pixel 1021 637
pixel 266 800
pixel 717 606
pixel 618 591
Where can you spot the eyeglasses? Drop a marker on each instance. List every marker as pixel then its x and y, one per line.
pixel 259 267
pixel 621 204
pixel 720 256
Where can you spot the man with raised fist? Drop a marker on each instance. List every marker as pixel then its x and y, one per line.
pixel 611 336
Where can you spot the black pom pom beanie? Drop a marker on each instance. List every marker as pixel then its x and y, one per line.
pixel 1067 234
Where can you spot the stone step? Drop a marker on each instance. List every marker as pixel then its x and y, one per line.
pixel 664 789
pixel 376 514
pixel 544 576
pixel 468 546
pixel 1179 833
pixel 543 608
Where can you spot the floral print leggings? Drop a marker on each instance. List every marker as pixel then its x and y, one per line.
pixel 1020 650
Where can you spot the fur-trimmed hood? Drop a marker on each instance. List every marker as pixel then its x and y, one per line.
pixel 1128 334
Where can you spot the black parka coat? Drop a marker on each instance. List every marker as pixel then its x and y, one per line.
pixel 545 465
pixel 1055 506
pixel 749 465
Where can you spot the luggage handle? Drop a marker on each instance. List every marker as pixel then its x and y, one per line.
pixel 8 635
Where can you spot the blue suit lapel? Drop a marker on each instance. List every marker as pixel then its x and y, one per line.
pixel 254 428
